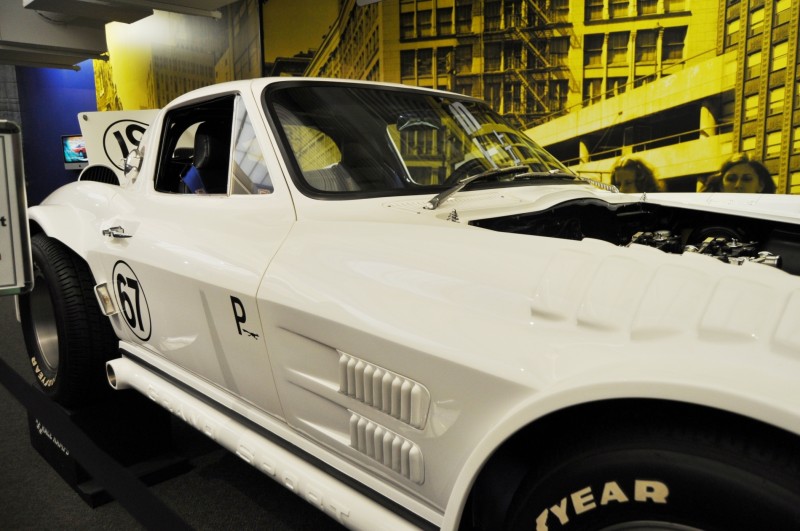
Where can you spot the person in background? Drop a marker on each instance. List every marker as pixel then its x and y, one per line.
pixel 632 175
pixel 741 174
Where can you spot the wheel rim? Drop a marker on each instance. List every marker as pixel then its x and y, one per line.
pixel 43 319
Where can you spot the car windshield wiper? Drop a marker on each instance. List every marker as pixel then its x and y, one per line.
pixel 441 197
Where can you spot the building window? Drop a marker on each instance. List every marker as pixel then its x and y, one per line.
pixel 647 7
pixel 674 6
pixel 749 144
pixel 618 8
pixel 618 48
pixel 779 52
pixel 672 46
pixel 424 62
pixel 512 52
pixel 464 88
pixel 751 107
pixel 593 50
pixel 444 61
pixel 732 33
pixel 444 21
pixel 558 94
pixel 513 13
pixel 773 146
pixel 797 96
pixel 559 51
pixel 464 59
pixel 407 62
pixel 559 10
pixel 424 25
pixel 753 65
pixel 757 22
pixel 646 46
pixel 511 98
pixel 492 94
pixel 616 85
pixel 492 57
pixel 794 182
pixel 594 9
pixel 796 139
pixel 783 9
pixel 407 25
pixel 775 104
pixel 464 18
pixel 591 90
pixel 491 15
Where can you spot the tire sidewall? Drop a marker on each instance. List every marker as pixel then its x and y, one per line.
pixel 48 379
pixel 86 339
pixel 667 485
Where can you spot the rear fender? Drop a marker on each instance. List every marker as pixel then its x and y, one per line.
pixel 70 226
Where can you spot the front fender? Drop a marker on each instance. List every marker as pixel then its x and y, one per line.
pixel 70 215
pixel 765 398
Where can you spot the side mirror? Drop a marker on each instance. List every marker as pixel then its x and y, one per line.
pixel 133 163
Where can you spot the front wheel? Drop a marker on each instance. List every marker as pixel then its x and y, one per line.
pixel 667 477
pixel 67 337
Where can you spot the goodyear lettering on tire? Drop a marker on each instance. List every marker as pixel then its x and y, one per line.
pixel 586 499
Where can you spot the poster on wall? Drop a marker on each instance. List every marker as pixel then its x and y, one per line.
pixel 154 60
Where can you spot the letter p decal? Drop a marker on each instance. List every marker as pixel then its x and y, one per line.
pixel 239 315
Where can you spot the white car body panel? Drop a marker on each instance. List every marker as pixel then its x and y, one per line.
pixel 492 330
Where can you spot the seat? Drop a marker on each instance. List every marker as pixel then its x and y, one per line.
pixel 331 179
pixel 211 155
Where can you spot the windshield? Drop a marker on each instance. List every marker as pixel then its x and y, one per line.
pixel 356 140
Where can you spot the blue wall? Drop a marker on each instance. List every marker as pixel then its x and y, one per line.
pixel 50 100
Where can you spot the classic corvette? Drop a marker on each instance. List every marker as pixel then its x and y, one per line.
pixel 411 315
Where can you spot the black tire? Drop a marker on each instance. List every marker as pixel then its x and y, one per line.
pixel 67 337
pixel 670 475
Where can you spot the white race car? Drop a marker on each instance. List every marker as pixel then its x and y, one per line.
pixel 409 314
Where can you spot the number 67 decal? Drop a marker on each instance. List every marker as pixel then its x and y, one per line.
pixel 131 300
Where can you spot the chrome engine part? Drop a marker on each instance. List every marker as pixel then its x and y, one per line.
pixel 730 238
pixel 729 250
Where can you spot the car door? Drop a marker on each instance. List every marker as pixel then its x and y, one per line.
pixel 190 250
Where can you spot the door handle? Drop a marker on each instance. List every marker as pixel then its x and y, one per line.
pixel 116 232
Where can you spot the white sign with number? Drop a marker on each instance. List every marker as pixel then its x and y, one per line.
pixel 16 274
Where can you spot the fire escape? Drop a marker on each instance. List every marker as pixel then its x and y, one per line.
pixel 536 75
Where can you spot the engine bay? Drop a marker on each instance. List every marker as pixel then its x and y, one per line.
pixel 729 238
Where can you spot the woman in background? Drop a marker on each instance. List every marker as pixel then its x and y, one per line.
pixel 632 175
pixel 741 174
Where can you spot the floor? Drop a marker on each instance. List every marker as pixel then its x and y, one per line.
pixel 219 491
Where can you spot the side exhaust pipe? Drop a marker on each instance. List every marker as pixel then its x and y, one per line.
pixel 339 501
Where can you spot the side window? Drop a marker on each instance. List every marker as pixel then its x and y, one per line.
pixel 249 170
pixel 195 148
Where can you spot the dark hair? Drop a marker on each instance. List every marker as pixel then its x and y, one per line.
pixel 714 182
pixel 645 176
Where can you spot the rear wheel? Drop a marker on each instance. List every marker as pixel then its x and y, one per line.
pixel 665 476
pixel 67 337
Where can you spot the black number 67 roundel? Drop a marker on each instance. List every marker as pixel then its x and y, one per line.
pixel 131 301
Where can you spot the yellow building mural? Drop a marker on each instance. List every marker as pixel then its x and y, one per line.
pixel 681 84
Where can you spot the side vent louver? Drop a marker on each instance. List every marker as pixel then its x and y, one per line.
pixel 387 448
pixel 384 390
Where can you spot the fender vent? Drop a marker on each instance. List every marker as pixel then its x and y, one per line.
pixel 404 399
pixel 387 448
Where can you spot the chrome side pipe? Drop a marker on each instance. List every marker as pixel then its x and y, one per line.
pixel 339 501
